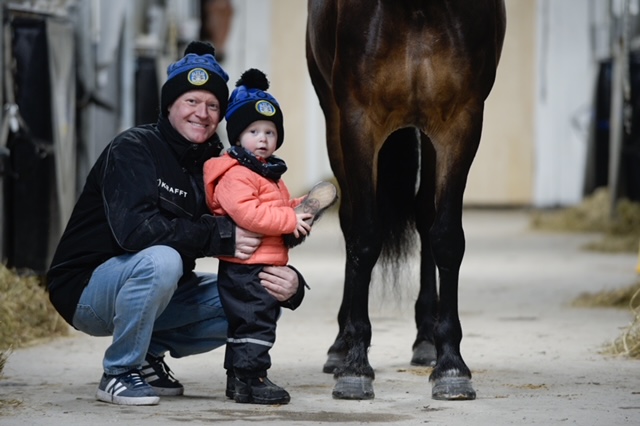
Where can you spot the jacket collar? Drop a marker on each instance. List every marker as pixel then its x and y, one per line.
pixel 191 156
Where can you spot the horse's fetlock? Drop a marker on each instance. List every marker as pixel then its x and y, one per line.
pixel 355 371
pixel 358 333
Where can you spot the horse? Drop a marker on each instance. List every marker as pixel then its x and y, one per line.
pixel 402 85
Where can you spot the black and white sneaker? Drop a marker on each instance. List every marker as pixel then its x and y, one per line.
pixel 126 389
pixel 157 373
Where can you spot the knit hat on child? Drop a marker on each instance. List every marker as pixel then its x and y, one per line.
pixel 250 102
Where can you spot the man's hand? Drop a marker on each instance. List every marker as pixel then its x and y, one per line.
pixel 247 243
pixel 280 281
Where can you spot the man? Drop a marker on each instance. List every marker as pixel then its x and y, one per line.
pixel 124 265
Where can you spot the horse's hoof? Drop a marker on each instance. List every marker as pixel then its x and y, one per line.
pixel 453 389
pixel 424 355
pixel 334 361
pixel 353 387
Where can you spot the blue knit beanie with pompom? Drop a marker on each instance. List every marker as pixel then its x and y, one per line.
pixel 197 70
pixel 250 102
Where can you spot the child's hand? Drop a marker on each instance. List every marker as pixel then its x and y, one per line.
pixel 302 228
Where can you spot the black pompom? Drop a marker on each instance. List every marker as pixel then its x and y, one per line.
pixel 200 48
pixel 253 79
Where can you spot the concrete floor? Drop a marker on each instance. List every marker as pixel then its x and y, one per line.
pixel 535 359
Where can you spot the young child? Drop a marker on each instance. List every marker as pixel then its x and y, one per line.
pixel 245 184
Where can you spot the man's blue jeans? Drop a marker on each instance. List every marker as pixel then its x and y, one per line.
pixel 135 297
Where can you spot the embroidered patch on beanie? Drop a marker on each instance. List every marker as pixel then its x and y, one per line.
pixel 251 102
pixel 197 70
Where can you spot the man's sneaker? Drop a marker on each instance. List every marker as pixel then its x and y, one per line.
pixel 259 391
pixel 126 389
pixel 157 373
pixel 322 196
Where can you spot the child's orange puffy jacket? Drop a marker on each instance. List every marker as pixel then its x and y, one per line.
pixel 254 203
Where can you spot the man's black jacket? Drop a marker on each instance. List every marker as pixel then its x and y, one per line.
pixel 145 189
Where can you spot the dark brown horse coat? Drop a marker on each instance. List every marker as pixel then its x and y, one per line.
pixel 402 84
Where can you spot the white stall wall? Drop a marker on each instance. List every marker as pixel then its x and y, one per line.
pixel 565 81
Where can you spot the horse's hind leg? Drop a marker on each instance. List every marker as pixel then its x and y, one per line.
pixel 354 375
pixel 338 350
pixel 354 378
pixel 426 306
pixel 451 377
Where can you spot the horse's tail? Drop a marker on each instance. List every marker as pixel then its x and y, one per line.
pixel 398 165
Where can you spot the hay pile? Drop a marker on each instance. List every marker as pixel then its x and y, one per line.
pixel 628 343
pixel 620 233
pixel 26 314
pixel 622 298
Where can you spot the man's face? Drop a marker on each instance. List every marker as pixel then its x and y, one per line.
pixel 195 115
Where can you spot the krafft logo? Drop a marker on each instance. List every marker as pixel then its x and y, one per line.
pixel 172 190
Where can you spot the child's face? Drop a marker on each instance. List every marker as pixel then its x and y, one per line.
pixel 260 138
